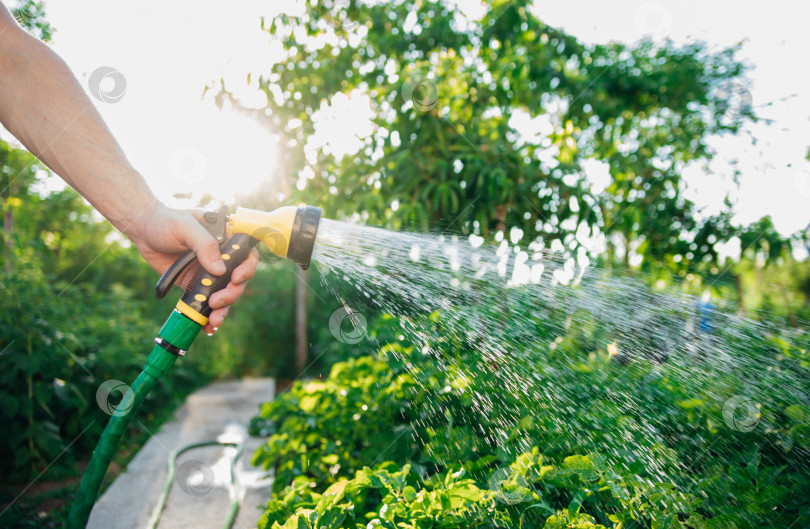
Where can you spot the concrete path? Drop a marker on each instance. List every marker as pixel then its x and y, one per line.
pixel 201 494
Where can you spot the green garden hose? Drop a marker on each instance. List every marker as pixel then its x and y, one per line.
pixel 167 486
pixel 177 334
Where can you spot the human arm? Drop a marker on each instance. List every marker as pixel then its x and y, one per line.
pixel 43 105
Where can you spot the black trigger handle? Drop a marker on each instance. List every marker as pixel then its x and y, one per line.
pixel 169 277
pixel 215 223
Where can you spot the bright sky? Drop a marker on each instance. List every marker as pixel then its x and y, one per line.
pixel 168 51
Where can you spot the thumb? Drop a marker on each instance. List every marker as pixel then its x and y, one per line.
pixel 204 245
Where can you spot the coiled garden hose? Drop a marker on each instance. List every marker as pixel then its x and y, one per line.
pixel 233 510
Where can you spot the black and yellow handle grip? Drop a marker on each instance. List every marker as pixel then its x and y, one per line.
pixel 203 285
pixel 288 232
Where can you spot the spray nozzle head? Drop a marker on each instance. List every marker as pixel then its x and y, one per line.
pixel 288 231
pixel 302 236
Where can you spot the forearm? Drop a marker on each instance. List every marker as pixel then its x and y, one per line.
pixel 43 105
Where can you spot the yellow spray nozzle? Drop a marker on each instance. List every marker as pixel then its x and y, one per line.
pixel 288 231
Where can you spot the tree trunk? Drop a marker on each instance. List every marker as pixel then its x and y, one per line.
pixel 301 341
pixel 626 258
pixel 610 254
pixel 791 317
pixel 739 287
pixel 8 226
pixel 8 220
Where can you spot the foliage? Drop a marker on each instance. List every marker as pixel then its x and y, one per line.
pixel 46 510
pixel 354 402
pixel 779 291
pixel 567 433
pixel 31 15
pixel 77 312
pixel 448 97
pixel 513 496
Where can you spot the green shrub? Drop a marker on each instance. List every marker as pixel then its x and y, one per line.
pixel 515 496
pixel 78 310
pixel 59 344
pixel 638 444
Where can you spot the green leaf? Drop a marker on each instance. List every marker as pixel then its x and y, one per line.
pixel 772 496
pixel 409 493
pixel 689 404
pixel 798 414
pixel 299 520
pixel 332 518
pixel 330 459
pixel 468 491
pixel 800 434
pixel 332 495
pixel 578 462
pixel 308 403
pixel 9 405
pixel 723 521
pixel 576 503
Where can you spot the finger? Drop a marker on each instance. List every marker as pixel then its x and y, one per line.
pixel 197 213
pixel 217 317
pixel 247 269
pixel 227 296
pixel 204 245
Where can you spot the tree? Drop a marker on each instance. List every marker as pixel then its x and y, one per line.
pixel 445 151
pixel 31 15
pixel 18 169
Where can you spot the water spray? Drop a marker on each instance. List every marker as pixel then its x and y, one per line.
pixel 288 232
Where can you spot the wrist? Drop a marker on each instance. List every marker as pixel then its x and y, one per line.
pixel 133 222
pixel 129 206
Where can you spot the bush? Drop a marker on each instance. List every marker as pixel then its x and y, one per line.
pixel 78 311
pixel 577 438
